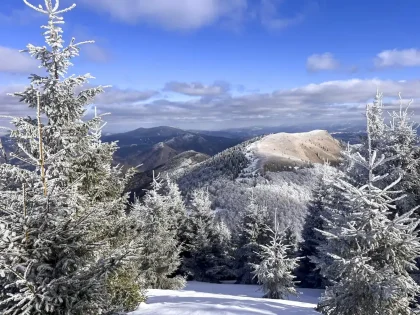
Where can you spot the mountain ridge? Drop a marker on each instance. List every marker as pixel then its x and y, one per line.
pixel 275 152
pixel 139 146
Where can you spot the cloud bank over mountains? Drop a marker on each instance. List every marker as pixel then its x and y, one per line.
pixel 214 107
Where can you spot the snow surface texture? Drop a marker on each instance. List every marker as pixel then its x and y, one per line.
pixel 199 298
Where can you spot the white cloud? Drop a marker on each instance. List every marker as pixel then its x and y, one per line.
pixel 113 98
pixel 117 96
pixel 195 14
pixel 320 62
pixel 398 58
pixel 310 105
pixel 13 61
pixel 179 14
pixel 96 53
pixel 197 88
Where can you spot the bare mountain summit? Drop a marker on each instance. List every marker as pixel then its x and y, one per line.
pixel 280 150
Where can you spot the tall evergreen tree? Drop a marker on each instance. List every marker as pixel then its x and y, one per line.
pixel 397 138
pixel 370 252
pixel 59 220
pixel 357 173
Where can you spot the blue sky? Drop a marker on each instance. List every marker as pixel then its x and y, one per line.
pixel 216 64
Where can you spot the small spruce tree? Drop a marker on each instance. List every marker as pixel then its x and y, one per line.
pixel 208 256
pixel 160 256
pixel 253 233
pixel 275 271
pixel 177 209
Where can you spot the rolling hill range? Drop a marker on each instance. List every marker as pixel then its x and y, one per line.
pixel 154 147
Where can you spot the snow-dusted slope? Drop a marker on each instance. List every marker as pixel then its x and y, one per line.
pixel 228 299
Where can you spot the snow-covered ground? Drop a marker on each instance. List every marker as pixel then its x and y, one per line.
pixel 228 299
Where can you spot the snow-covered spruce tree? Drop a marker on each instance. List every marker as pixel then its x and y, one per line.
pixel 291 240
pixel 370 252
pixel 253 233
pixel 160 257
pixel 46 262
pixel 402 139
pixel 377 137
pixel 275 271
pixel 306 272
pixel 398 138
pixel 106 188
pixel 75 222
pixel 49 262
pixel 325 197
pixel 376 118
pixel 207 258
pixel 176 208
pixel 226 249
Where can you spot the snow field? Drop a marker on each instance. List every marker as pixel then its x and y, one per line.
pixel 199 298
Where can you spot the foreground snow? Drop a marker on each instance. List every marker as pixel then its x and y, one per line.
pixel 206 298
